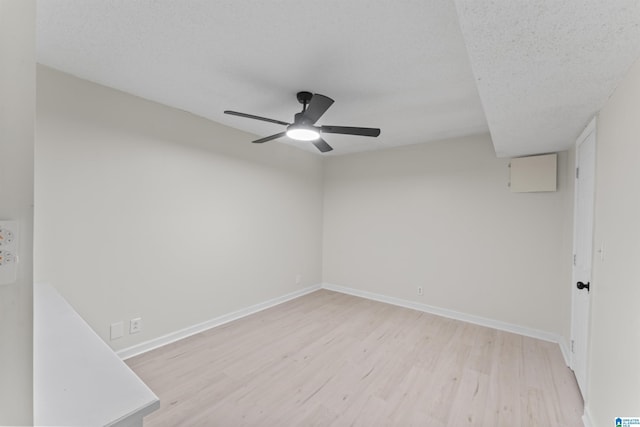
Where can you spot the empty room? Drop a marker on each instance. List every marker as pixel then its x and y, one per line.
pixel 296 213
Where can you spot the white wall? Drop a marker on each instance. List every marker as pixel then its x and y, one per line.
pixel 143 210
pixel 441 216
pixel 614 359
pixel 17 111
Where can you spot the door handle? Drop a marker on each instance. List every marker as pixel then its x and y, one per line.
pixel 581 285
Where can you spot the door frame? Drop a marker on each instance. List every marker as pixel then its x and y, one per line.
pixel 591 128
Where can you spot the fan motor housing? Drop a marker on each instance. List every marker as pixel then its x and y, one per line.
pixel 304 97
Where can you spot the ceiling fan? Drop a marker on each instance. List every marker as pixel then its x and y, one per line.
pixel 303 127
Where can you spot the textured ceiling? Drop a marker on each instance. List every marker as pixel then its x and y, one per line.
pixel 542 68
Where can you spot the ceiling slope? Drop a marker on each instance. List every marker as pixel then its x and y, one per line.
pixel 543 68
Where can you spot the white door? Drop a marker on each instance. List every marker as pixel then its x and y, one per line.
pixel 582 250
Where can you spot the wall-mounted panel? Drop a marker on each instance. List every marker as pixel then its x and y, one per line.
pixel 534 173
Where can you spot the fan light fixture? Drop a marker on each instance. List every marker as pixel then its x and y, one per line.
pixel 300 133
pixel 303 127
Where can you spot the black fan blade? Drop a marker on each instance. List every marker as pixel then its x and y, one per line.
pixel 251 116
pixel 322 145
pixel 269 138
pixel 346 130
pixel 318 105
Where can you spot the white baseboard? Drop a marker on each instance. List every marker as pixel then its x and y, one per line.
pixel 143 347
pixel 586 418
pixel 226 318
pixel 564 349
pixel 451 314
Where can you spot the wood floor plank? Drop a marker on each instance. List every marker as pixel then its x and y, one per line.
pixel 328 359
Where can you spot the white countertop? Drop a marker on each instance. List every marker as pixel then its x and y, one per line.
pixel 78 380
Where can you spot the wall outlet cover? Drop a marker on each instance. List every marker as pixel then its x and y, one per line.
pixel 8 252
pixel 135 326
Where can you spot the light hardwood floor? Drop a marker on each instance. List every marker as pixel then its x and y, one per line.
pixel 328 359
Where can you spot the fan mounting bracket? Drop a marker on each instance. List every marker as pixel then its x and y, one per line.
pixel 304 97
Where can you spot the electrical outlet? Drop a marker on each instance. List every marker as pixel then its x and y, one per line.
pixel 298 279
pixel 6 234
pixel 116 330
pixel 8 252
pixel 6 258
pixel 419 290
pixel 135 325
